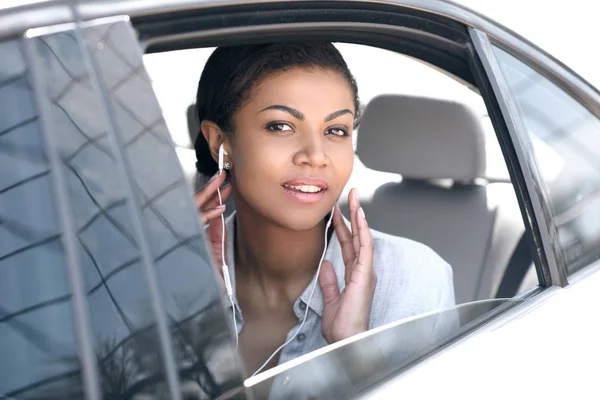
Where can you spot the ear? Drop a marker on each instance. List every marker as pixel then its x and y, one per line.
pixel 214 137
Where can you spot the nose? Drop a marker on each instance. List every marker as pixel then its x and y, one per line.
pixel 312 152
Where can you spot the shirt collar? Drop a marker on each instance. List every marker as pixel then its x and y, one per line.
pixel 332 254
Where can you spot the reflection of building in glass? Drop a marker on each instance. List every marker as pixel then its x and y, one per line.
pixel 36 322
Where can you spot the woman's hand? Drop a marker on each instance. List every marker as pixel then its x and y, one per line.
pixel 347 313
pixel 207 201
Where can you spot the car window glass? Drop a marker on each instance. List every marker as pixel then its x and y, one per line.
pixel 118 296
pixel 332 372
pixel 134 220
pixel 202 341
pixel 565 137
pixel 38 347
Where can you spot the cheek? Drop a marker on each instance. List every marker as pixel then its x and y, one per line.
pixel 256 158
pixel 257 165
pixel 342 161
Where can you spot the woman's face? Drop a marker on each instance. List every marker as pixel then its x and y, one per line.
pixel 292 149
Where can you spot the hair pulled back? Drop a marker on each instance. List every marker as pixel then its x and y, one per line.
pixel 231 73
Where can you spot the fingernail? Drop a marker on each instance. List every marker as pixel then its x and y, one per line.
pixel 362 213
pixel 220 207
pixel 356 194
pixel 213 177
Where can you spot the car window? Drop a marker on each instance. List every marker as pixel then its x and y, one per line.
pixel 37 335
pixel 155 310
pixel 201 337
pixel 154 307
pixel 475 223
pixel 565 137
pixel 485 213
pixel 332 372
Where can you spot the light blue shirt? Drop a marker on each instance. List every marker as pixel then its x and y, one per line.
pixel 411 279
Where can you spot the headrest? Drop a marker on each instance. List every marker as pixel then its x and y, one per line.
pixel 422 138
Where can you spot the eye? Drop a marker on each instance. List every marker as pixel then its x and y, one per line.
pixel 278 127
pixel 337 131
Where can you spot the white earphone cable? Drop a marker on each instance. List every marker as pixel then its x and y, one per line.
pixel 226 276
pixel 312 291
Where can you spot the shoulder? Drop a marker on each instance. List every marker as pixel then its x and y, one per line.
pixel 411 279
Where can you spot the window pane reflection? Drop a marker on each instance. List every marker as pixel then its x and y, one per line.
pixel 119 301
pixel 38 353
pixel 566 142
pixel 203 345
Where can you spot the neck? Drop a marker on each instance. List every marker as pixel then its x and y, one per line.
pixel 280 260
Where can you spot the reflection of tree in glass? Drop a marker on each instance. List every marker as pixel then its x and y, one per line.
pixel 201 346
pixel 204 355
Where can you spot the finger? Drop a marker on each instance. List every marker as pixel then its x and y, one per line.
pixel 215 235
pixel 209 189
pixel 345 237
pixel 213 202
pixel 353 205
pixel 328 283
pixel 212 213
pixel 364 265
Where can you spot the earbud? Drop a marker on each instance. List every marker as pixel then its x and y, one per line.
pixel 222 153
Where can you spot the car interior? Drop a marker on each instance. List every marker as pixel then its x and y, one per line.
pixel 428 166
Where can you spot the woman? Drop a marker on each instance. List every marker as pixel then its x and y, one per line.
pixel 285 115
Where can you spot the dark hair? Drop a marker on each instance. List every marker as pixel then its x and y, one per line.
pixel 232 72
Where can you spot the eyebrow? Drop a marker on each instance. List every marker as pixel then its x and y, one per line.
pixel 299 115
pixel 292 111
pixel 336 114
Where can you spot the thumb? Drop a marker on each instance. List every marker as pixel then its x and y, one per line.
pixel 328 283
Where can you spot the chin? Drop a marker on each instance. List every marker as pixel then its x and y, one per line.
pixel 301 220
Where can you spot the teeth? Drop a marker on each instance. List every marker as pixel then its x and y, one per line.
pixel 305 188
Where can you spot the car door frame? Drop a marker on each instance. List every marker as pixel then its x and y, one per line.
pixel 551 274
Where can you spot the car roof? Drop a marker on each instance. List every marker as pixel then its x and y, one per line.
pixel 565 32
pixel 16 16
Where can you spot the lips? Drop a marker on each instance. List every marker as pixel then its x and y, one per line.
pixel 306 190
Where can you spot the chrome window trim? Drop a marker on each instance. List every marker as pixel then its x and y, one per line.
pixel 516 128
